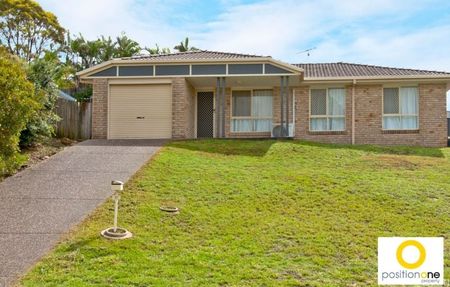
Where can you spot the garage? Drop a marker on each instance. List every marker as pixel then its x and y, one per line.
pixel 140 111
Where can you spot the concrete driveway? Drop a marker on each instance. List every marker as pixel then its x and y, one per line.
pixel 41 203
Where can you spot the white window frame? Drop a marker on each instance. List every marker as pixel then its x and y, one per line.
pixel 399 114
pixel 252 118
pixel 327 116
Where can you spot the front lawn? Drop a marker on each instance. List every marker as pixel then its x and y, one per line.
pixel 259 213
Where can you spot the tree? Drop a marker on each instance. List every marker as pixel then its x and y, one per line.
pixel 184 46
pixel 62 73
pixel 107 49
pixel 27 30
pixel 83 53
pixel 18 103
pixel 157 50
pixel 126 47
pixel 44 74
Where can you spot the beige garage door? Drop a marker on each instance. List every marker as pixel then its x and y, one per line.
pixel 140 112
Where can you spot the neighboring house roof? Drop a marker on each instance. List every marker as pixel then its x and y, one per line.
pixel 66 96
pixel 195 55
pixel 349 70
pixel 448 114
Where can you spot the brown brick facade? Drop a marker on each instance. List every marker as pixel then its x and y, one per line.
pixel 368 118
pixel 368 115
pixel 302 120
pixel 183 109
pixel 432 114
pixel 99 109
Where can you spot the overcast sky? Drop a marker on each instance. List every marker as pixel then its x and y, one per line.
pixel 399 33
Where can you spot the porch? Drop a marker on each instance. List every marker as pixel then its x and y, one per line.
pixel 242 106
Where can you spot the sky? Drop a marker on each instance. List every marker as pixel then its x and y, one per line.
pixel 398 33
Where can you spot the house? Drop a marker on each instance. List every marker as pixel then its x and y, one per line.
pixel 205 94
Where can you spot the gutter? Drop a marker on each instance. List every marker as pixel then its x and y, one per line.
pixel 373 80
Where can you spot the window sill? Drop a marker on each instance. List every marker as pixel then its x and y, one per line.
pixel 400 131
pixel 327 132
pixel 244 133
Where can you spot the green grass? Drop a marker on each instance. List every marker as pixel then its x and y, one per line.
pixel 259 213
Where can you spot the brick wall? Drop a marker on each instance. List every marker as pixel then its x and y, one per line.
pixel 277 105
pixel 100 109
pixel 368 115
pixel 190 110
pixel 183 109
pixel 368 118
pixel 302 119
pixel 432 115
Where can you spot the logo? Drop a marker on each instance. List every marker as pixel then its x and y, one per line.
pixel 411 260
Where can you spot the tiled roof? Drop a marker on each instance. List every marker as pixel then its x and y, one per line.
pixel 194 55
pixel 336 70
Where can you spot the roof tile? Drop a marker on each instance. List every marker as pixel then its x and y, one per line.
pixel 194 55
pixel 337 70
pixel 312 70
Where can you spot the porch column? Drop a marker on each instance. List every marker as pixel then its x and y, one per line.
pixel 284 106
pixel 220 107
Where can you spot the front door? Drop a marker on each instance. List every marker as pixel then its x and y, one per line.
pixel 205 114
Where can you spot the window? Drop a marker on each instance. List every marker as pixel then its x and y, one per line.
pixel 327 109
pixel 251 111
pixel 400 108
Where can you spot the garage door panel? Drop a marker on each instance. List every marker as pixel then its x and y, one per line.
pixel 140 111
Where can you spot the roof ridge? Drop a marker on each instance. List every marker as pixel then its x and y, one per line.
pixel 161 54
pixel 236 54
pixel 142 56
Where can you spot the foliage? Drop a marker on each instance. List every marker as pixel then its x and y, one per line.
pixel 126 47
pixel 18 103
pixel 44 73
pixel 258 213
pixel 61 74
pixel 27 30
pixel 83 94
pixel 84 53
pixel 184 46
pixel 157 50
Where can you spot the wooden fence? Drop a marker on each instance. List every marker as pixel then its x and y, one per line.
pixel 75 119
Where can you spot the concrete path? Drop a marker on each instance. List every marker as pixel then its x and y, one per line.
pixel 41 203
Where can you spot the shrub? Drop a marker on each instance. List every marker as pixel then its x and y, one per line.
pixel 84 94
pixel 18 103
pixel 43 73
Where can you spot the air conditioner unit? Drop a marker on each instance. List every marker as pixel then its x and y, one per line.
pixel 276 130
